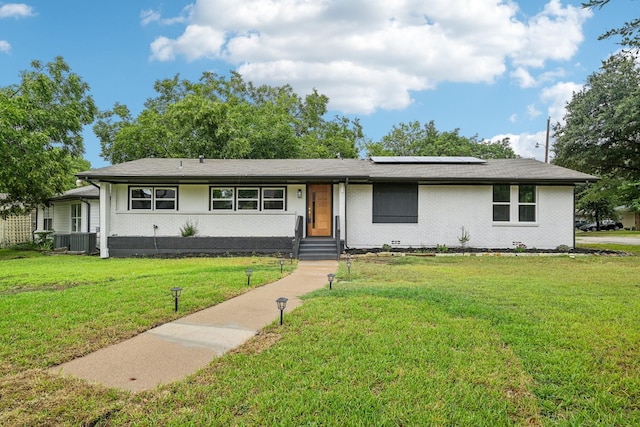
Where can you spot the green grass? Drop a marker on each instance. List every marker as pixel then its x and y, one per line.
pixel 489 341
pixel 59 307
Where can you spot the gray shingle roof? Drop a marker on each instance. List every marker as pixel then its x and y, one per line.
pixel 158 170
pixel 86 192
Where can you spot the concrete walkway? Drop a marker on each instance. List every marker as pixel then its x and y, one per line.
pixel 176 349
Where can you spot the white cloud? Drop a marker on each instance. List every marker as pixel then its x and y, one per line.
pixel 523 78
pixel 149 16
pixel 15 10
pixel 5 47
pixel 371 54
pixel 532 111
pixel 553 34
pixel 524 144
pixel 513 118
pixel 557 96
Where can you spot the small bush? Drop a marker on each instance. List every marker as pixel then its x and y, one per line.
pixel 189 229
pixel 563 248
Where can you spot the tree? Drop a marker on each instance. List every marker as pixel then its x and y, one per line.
pixel 414 139
pixel 629 32
pixel 41 145
pixel 601 134
pixel 226 118
pixel 597 201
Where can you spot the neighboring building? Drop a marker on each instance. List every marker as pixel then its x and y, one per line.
pixel 268 206
pixel 74 219
pixel 628 218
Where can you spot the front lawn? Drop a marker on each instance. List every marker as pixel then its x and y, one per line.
pixel 401 341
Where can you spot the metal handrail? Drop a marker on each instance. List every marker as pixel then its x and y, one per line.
pixel 298 236
pixel 338 235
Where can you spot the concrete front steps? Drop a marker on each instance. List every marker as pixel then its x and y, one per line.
pixel 317 248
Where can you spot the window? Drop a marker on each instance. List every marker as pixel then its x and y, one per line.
pixel 395 203
pixel 141 198
pixel 222 198
pixel 47 218
pixel 527 203
pixel 153 198
pixel 248 199
pixel 165 199
pixel 501 202
pixel 273 199
pixel 76 218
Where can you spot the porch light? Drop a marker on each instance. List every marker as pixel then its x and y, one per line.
pixel 299 193
pixel 282 303
pixel 249 273
pixel 176 294
pixel 331 276
pixel 281 264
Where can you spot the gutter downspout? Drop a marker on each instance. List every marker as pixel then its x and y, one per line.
pixel 346 205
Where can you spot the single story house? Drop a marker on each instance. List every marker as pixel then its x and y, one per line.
pixel 315 208
pixel 74 219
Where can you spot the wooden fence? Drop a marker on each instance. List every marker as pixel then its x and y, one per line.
pixel 15 229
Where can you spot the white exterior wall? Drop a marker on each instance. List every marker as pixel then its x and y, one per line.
pixel 443 210
pixel 193 205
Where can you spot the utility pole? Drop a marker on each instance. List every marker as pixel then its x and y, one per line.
pixel 546 144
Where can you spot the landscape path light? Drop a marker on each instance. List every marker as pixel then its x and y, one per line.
pixel 281 264
pixel 176 294
pixel 282 303
pixel 331 276
pixel 290 257
pixel 349 265
pixel 249 273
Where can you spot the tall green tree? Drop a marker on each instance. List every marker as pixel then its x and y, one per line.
pixel 415 139
pixel 226 118
pixel 601 134
pixel 629 32
pixel 41 145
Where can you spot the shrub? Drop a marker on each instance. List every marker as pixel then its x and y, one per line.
pixel 189 229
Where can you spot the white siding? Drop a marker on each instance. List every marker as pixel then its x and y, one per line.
pixel 443 210
pixel 193 206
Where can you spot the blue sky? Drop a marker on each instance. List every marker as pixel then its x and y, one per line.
pixel 488 67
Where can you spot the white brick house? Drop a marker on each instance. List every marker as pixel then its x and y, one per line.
pixel 286 205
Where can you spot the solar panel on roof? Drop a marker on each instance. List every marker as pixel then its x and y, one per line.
pixel 427 159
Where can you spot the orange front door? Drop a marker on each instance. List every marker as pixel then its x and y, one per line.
pixel 319 210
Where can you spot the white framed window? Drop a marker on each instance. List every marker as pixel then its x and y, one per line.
pixel 153 198
pixel 248 199
pixel 222 198
pixel 165 198
pixel 273 199
pixel 501 203
pixel 140 198
pixel 76 218
pixel 527 203
pixel 521 197
pixel 47 218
